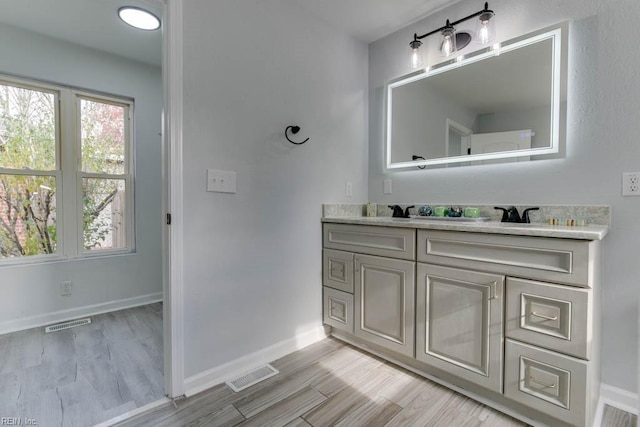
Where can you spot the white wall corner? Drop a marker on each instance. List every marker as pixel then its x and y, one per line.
pixel 617 398
pixel 219 374
pixel 23 323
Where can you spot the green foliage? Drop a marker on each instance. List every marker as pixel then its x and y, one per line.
pixel 102 134
pixel 27 215
pixel 99 223
pixel 28 142
pixel 27 129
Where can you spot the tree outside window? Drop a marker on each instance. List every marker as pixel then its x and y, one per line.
pixel 31 171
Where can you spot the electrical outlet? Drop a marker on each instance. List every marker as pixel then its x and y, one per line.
pixel 66 288
pixel 348 189
pixel 631 184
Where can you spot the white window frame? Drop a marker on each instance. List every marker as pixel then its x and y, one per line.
pixel 68 172
pixel 127 176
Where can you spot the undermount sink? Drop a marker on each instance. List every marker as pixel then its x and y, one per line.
pixel 450 219
pixel 517 224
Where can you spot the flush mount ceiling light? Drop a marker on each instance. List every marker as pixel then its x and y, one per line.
pixel 139 18
pixel 452 41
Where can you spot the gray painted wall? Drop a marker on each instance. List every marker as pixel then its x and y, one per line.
pixel 33 290
pixel 252 260
pixel 536 119
pixel 602 142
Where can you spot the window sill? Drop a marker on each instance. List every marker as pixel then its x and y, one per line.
pixel 51 259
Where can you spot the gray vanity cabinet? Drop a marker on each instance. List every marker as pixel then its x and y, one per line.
pixel 459 323
pixel 384 309
pixel 370 271
pixel 515 318
pixel 550 326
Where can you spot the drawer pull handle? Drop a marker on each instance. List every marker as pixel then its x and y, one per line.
pixel 542 316
pixel 533 380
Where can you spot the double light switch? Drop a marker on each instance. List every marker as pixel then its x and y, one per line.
pixel 221 181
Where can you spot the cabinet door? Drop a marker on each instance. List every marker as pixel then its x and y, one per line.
pixel 459 323
pixel 384 302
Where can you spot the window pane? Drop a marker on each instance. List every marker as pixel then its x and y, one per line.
pixel 104 218
pixel 27 129
pixel 27 215
pixel 102 132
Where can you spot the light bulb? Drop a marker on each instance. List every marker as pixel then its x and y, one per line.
pixel 448 44
pixel 486 28
pixel 415 59
pixel 483 35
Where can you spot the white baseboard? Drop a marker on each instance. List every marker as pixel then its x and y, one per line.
pixel 214 376
pixel 617 398
pixel 148 407
pixel 73 313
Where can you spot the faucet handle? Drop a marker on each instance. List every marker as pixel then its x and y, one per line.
pixel 525 215
pixel 407 214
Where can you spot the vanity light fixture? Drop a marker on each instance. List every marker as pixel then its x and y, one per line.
pixel 139 18
pixel 452 41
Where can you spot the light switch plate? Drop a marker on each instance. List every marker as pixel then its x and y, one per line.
pixel 387 186
pixel 221 181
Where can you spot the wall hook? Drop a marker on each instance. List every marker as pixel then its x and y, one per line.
pixel 294 130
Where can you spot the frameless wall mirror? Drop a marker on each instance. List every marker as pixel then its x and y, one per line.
pixel 500 104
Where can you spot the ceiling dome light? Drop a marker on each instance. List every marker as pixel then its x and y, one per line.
pixel 139 18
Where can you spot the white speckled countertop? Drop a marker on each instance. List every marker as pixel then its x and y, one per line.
pixel 587 232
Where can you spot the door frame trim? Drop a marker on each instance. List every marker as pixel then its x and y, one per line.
pixel 173 283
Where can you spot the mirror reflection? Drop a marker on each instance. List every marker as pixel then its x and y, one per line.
pixel 500 105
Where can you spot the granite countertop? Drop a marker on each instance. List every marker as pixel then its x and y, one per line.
pixel 587 232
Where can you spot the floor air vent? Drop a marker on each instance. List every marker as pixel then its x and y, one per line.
pixel 66 325
pixel 253 377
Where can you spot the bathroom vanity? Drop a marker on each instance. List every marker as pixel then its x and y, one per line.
pixel 505 313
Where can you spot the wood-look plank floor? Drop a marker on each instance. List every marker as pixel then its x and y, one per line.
pixel 83 375
pixel 333 384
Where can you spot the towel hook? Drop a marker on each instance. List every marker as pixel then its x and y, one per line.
pixel 294 130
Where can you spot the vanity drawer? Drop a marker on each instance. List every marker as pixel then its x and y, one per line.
pixel 338 309
pixel 371 240
pixel 546 381
pixel 337 270
pixel 550 316
pixel 555 260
